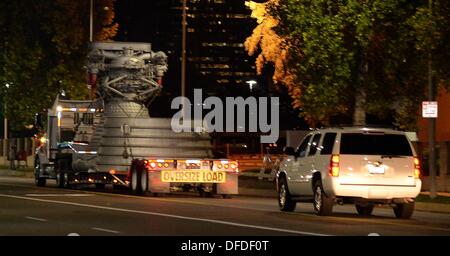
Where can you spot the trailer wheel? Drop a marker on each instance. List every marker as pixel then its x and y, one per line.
pixel 144 180
pixel 136 179
pixel 99 186
pixel 226 196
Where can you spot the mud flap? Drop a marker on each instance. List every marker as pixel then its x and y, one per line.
pixel 230 187
pixel 155 185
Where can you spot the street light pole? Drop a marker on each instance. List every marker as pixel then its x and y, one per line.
pixel 5 123
pixel 431 125
pixel 5 119
pixel 183 50
pixel 91 21
pixel 183 57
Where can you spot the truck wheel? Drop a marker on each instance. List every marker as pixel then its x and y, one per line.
pixel 66 180
pixel 364 210
pixel 40 181
pixel 60 180
pixel 323 205
pixel 404 211
pixel 285 201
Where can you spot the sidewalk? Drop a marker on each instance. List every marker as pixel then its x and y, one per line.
pixel 27 173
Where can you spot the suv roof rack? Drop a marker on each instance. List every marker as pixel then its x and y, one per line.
pixel 386 126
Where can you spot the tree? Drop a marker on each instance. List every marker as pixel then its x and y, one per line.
pixel 44 46
pixel 273 48
pixel 353 56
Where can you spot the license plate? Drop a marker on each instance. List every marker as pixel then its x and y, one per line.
pixel 193 176
pixel 376 169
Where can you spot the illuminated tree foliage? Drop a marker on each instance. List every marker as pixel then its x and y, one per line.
pixel 43 51
pixel 273 48
pixel 352 57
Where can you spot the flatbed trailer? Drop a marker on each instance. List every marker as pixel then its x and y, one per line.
pixel 112 140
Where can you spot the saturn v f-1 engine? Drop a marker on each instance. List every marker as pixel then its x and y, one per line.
pixel 128 78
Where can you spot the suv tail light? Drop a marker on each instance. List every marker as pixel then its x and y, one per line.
pixel 416 168
pixel 334 166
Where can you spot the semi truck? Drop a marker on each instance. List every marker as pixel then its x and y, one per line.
pixel 112 139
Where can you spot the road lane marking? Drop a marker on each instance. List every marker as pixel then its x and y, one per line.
pixel 303 214
pixel 374 221
pixel 52 195
pixel 171 200
pixel 33 218
pixel 106 230
pixel 235 224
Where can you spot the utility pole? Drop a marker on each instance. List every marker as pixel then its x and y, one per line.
pixel 431 123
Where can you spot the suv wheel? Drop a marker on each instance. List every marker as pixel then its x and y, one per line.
pixel 285 201
pixel 323 205
pixel 404 211
pixel 364 210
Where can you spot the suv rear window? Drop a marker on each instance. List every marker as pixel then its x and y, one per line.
pixel 374 144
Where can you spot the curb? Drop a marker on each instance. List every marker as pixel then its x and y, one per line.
pixel 263 188
pixel 432 207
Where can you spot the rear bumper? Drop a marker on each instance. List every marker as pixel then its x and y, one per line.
pixel 333 187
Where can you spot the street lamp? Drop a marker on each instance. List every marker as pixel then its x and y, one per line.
pixel 251 83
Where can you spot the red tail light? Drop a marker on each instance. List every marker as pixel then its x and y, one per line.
pixel 235 166
pixel 416 168
pixel 334 166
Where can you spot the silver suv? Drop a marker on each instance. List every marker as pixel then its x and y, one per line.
pixel 364 166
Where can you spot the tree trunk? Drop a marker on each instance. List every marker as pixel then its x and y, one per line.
pixel 359 114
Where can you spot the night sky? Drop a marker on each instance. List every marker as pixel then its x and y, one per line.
pixel 157 22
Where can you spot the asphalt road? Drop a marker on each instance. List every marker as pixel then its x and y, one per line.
pixel 28 210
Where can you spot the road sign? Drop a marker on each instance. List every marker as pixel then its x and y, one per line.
pixel 429 109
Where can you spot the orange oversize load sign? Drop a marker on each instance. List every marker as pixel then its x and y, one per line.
pixel 199 176
pixel 429 109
